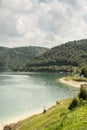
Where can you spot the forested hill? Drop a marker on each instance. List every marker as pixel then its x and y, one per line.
pixel 11 58
pixel 73 53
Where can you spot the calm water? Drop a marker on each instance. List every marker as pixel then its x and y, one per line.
pixel 22 93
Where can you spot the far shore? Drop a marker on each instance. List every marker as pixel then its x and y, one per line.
pixel 72 83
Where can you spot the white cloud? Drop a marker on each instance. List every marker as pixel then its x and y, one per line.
pixel 17 6
pixel 42 22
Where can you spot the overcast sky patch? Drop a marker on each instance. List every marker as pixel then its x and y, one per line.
pixel 42 22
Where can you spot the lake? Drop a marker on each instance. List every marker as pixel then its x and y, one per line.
pixel 27 92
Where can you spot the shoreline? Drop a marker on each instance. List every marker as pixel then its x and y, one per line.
pixel 72 83
pixel 13 121
pixel 18 119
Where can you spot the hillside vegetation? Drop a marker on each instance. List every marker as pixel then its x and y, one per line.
pixel 63 57
pixel 59 117
pixel 12 58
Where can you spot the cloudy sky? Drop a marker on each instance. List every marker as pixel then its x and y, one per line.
pixel 42 22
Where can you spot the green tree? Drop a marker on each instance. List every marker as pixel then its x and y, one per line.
pixel 74 103
pixel 84 71
pixel 83 92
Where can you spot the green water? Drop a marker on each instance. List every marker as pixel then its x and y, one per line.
pixel 22 93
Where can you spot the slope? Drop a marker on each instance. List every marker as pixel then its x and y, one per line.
pixel 11 58
pixel 57 118
pixel 73 53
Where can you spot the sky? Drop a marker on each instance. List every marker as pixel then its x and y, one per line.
pixel 45 23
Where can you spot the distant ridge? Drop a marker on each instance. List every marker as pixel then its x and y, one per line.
pixel 3 48
pixel 11 58
pixel 73 53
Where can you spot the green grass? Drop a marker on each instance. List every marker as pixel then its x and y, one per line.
pixel 57 118
pixel 74 77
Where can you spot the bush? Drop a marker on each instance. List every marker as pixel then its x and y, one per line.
pixel 74 103
pixel 7 127
pixel 84 71
pixel 83 92
pixel 82 98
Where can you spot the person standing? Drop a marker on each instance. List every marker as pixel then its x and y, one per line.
pixel 44 109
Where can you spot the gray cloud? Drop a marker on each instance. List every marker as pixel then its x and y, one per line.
pixel 42 22
pixel 85 18
pixel 45 1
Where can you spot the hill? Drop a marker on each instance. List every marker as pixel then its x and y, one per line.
pixel 12 58
pixel 59 117
pixel 61 57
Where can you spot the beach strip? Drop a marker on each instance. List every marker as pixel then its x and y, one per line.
pixel 19 118
pixel 72 83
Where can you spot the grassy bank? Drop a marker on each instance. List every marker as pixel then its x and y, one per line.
pixel 76 78
pixel 59 117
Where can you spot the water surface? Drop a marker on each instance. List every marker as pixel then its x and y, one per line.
pixel 22 93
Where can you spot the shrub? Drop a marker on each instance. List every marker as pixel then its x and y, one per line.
pixel 84 71
pixel 7 127
pixel 83 92
pixel 74 103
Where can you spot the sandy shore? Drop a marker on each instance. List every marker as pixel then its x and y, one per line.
pixel 20 118
pixel 72 83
